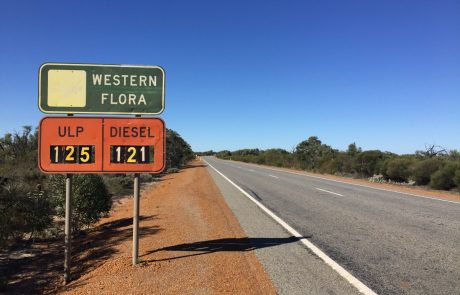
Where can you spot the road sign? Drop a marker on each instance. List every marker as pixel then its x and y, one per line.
pixel 101 145
pixel 95 88
pixel 134 145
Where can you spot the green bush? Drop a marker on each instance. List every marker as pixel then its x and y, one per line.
pixel 313 155
pixel 119 185
pixel 38 210
pixel 366 163
pixel 398 169
pixel 225 154
pixel 90 198
pixel 444 177
pixel 421 171
pixel 23 212
pixel 457 179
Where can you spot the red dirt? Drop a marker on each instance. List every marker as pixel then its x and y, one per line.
pixel 190 244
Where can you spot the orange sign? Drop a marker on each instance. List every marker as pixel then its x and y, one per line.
pixel 101 145
pixel 134 145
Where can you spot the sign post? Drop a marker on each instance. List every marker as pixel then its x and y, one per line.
pixel 101 144
pixel 136 220
pixel 68 228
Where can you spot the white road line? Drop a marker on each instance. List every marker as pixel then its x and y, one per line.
pixel 323 190
pixel 273 176
pixel 251 170
pixel 334 265
pixel 361 185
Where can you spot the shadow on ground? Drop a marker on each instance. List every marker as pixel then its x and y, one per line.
pixel 41 270
pixel 223 245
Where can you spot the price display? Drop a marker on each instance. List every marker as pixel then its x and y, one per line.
pixel 131 154
pixel 72 154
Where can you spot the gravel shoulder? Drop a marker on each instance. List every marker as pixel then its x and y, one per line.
pixel 191 243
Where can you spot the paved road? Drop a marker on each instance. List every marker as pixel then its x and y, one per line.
pixel 392 242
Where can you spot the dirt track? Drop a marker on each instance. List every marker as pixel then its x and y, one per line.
pixel 191 243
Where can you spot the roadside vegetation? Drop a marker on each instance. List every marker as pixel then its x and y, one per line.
pixel 433 167
pixel 32 203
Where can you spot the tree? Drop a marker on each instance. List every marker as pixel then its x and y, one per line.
pixel 310 151
pixel 18 157
pixel 353 150
pixel 432 150
pixel 178 151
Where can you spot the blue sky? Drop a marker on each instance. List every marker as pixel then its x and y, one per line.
pixel 383 74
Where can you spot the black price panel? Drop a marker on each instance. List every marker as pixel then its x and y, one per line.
pixel 138 154
pixel 72 154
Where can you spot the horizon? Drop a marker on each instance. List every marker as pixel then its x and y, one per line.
pixel 251 75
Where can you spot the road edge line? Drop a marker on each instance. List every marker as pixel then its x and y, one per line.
pixel 329 261
pixel 349 183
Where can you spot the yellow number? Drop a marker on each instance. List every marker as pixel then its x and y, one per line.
pixel 84 155
pixel 69 156
pixel 132 150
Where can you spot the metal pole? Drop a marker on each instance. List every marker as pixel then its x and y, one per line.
pixel 136 220
pixel 68 228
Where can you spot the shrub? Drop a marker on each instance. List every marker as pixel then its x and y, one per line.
pixel 23 212
pixel 90 198
pixel 444 177
pixel 224 154
pixel 398 169
pixel 457 179
pixel 365 163
pixel 119 185
pixel 421 171
pixel 38 211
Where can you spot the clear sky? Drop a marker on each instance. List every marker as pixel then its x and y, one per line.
pixel 383 74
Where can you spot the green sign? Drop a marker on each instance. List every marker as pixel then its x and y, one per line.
pixel 107 89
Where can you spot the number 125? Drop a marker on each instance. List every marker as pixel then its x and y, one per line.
pixel 77 154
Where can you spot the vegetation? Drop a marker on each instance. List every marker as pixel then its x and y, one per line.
pixel 206 153
pixel 31 202
pixel 178 151
pixel 434 166
pixel 90 198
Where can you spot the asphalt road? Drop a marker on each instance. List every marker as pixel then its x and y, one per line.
pixel 394 243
